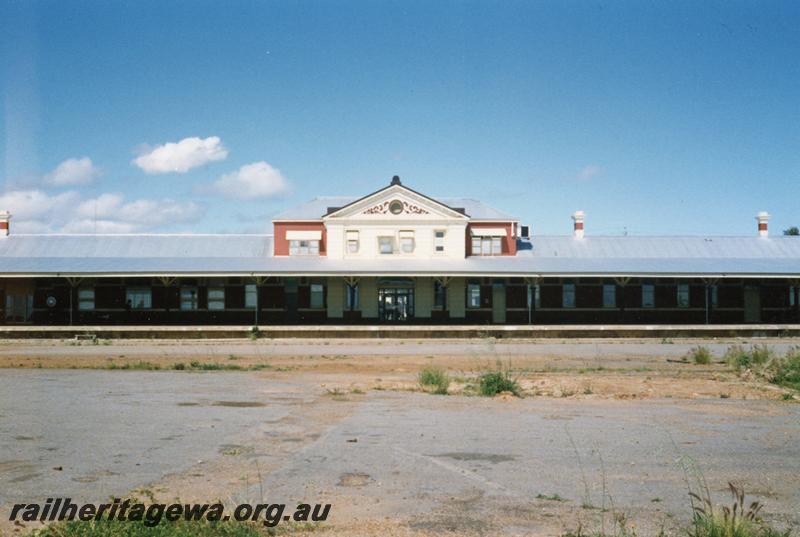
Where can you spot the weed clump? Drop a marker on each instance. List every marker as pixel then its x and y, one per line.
pixel 135 366
pixel 740 358
pixel 213 366
pixel 738 520
pixel 493 382
pixel 737 357
pixel 550 497
pixel 435 378
pixel 700 355
pixel 764 362
pixel 785 371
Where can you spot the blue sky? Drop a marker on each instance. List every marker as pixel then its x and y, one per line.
pixel 655 118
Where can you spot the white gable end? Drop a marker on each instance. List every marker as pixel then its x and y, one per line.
pixel 396 224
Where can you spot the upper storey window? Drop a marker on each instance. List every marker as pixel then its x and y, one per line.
pixel 352 242
pixel 407 242
pixel 487 241
pixel 386 245
pixel 298 247
pixel 487 246
pixel 303 242
pixel 438 241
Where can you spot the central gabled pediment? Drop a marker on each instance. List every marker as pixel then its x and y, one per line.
pixel 396 202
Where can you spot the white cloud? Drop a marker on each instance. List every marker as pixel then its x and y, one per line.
pixel 73 171
pixel 36 205
pixel 99 226
pixel 140 214
pixel 256 180
pixel 589 172
pixel 182 156
pixel 36 211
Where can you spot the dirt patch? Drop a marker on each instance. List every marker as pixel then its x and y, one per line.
pixel 620 369
pixel 486 457
pixel 24 477
pixel 354 479
pixel 235 449
pixel 16 466
pixel 239 404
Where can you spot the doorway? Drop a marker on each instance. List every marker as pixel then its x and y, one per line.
pixel 395 304
pixel 752 304
pixel 498 303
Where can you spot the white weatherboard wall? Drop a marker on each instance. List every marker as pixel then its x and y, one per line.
pixel 368 234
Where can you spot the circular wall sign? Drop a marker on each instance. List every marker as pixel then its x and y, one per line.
pixel 51 302
pixel 396 207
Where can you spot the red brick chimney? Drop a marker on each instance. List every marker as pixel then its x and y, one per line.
pixel 763 218
pixel 5 216
pixel 577 227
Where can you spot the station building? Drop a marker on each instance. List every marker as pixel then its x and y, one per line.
pixel 398 256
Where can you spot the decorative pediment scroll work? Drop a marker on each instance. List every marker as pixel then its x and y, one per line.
pixel 396 202
pixel 395 207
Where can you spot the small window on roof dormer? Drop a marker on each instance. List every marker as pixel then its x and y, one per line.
pixel 303 247
pixel 303 242
pixel 488 241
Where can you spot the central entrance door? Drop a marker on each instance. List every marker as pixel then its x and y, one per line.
pixel 395 303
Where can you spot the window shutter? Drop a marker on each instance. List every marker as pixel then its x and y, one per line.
pixel 303 296
pixel 486 296
pixel 234 296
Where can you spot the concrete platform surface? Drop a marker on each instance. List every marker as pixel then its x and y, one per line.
pixel 403 331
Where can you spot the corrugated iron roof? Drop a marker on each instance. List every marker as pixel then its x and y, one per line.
pixel 22 254
pixel 664 247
